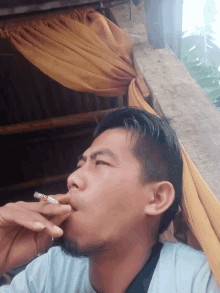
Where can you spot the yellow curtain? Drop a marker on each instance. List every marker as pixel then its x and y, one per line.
pixel 86 52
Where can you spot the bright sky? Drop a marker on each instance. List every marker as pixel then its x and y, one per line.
pixel 190 18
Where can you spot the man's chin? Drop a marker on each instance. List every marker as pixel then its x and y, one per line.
pixel 73 249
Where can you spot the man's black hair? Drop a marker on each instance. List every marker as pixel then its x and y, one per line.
pixel 157 148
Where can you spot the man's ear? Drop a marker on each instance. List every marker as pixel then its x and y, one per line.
pixel 161 196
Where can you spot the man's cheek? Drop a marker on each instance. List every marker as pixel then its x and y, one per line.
pixel 118 210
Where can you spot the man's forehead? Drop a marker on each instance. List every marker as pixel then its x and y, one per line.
pixel 113 138
pixel 112 142
pixel 101 151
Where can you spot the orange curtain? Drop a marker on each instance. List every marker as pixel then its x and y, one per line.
pixel 86 52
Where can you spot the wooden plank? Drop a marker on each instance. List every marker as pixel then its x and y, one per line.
pixel 194 117
pixel 53 9
pixel 20 8
pixel 50 123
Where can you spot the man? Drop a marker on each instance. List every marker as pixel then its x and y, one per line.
pixel 124 193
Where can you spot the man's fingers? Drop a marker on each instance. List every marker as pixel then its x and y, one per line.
pixel 59 220
pixel 37 216
pixel 30 220
pixel 43 207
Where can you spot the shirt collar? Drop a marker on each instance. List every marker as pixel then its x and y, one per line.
pixel 141 282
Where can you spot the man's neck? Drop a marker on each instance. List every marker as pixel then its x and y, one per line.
pixel 114 271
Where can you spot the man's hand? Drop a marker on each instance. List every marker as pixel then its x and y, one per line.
pixel 27 228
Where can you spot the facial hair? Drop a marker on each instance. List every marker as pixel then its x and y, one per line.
pixel 74 249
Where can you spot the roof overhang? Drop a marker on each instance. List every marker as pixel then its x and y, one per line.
pixel 18 7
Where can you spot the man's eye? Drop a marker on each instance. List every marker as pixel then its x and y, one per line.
pixel 102 163
pixel 96 163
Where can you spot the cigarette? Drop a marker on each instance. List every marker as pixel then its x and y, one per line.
pixel 48 198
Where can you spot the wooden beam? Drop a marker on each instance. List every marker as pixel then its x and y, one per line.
pixel 54 122
pixel 9 17
pixel 30 12
pixel 42 139
pixel 35 183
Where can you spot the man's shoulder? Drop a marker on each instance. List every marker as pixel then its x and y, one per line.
pixel 53 271
pixel 184 258
pixel 182 268
pixel 182 252
pixel 56 263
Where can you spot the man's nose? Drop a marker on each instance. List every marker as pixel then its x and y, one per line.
pixel 71 182
pixel 74 181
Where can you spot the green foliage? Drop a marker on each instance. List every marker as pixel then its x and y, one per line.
pixel 202 57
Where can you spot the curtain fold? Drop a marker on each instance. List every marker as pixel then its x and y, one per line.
pixel 86 52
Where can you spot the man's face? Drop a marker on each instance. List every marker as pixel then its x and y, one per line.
pixel 107 196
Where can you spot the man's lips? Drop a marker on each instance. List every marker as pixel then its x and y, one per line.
pixel 73 201
pixel 74 209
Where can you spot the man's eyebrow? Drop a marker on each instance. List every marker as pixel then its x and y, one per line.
pixel 105 152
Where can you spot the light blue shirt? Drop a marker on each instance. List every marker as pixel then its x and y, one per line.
pixel 180 268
